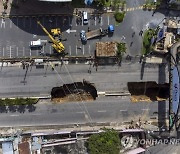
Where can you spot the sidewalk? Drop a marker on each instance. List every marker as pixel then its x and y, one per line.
pixel 35 7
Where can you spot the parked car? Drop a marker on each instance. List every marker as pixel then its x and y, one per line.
pixel 85 18
pixel 83 36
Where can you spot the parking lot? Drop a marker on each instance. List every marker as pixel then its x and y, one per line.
pixel 17 32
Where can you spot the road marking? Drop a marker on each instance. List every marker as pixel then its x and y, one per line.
pixel 76 20
pixel 123 110
pixel 3 23
pixel 50 49
pixel 10 51
pixel 101 21
pixel 145 109
pixel 81 112
pixel 10 24
pixel 89 49
pixel 89 23
pixel 108 19
pixel 23 51
pixel 14 115
pixel 83 49
pixel 16 51
pixel 102 111
pixel 3 51
pixel 69 50
pixel 95 21
pixel 76 49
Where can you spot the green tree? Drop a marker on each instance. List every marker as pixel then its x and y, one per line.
pixel 119 16
pixel 121 49
pixel 107 142
pixel 101 2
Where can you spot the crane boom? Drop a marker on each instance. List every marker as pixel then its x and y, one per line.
pixel 57 45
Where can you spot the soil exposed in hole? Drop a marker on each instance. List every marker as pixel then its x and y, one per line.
pixel 148 91
pixel 77 91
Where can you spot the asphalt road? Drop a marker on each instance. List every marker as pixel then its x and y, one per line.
pixel 39 82
pixel 104 109
pixel 17 32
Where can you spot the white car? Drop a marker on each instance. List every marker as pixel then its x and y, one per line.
pixel 85 18
pixel 35 44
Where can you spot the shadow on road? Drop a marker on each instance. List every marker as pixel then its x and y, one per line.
pixel 162 104
pixel 19 108
pixel 33 10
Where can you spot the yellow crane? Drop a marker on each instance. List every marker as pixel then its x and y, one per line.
pixel 57 45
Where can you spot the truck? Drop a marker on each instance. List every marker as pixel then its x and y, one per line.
pixel 95 33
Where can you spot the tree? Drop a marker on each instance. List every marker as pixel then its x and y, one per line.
pixel 119 16
pixel 107 142
pixel 101 2
pixel 121 49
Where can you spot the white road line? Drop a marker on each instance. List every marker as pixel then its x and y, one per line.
pixel 102 111
pixel 83 49
pixel 122 110
pixel 2 23
pixel 95 20
pixel 3 51
pixel 14 115
pixel 75 21
pixel 23 51
pixel 10 24
pixel 80 112
pixel 10 51
pixel 50 49
pixel 145 109
pixel 17 51
pixel 76 49
pixel 89 49
pixel 108 19
pixel 101 21
pixel 69 50
pixel 89 23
